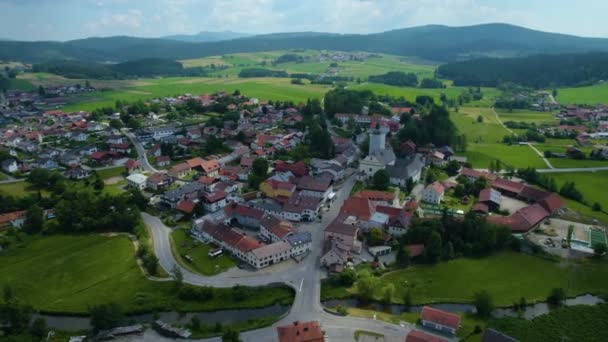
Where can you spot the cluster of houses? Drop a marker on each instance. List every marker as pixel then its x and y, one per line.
pixel 16 103
pixel 359 213
pixel 541 204
pixel 277 240
pixel 59 140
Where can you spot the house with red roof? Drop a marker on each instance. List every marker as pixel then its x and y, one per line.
pixel 433 193
pixel 14 219
pixel 301 332
pixel 386 198
pixel 299 169
pixel 442 321
pixel 344 234
pixel 359 207
pixel 132 166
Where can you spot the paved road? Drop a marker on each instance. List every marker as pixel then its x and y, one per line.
pixel 304 277
pixel 141 152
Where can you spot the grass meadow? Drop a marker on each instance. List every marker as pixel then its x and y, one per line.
pixel 183 244
pixel 596 94
pixel 67 274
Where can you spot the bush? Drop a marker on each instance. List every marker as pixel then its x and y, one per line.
pixel 483 303
pixel 189 292
pixel 556 296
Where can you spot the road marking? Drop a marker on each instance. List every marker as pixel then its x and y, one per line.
pixel 301 283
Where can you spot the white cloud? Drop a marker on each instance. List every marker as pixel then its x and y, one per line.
pixel 130 21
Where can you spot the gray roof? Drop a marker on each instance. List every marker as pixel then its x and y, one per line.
pixel 405 168
pixel 385 156
pixel 299 238
pixel 182 190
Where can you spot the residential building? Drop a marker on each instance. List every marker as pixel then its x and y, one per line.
pixel 77 172
pixel 301 332
pixel 137 180
pixel 442 321
pixel 158 181
pixel 345 234
pixel 274 188
pixel 319 187
pixel 433 193
pixel 10 166
pixel 15 219
pixel 406 168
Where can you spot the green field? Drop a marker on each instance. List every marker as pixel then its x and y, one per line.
pixel 485 140
pixel 21 84
pixel 575 323
pixel 361 69
pixel 597 94
pixel 528 116
pixel 507 276
pixel 593 185
pixel 262 88
pixel 19 189
pixel 183 244
pixel 68 274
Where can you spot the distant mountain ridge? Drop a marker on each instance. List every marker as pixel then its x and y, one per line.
pixel 207 36
pixel 432 42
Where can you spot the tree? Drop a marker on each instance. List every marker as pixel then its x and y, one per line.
pixel 230 335
pixel 177 276
pixel 388 292
pixel 432 250
pixel 375 236
pixel 195 323
pixel 407 298
pixel 596 207
pixel 38 328
pixel 556 296
pixel 480 119
pixel 366 286
pixel 452 168
pixel 260 167
pixel 599 249
pixel 381 180
pixel 347 277
pixel 116 124
pixel 34 219
pixel 403 256
pixel 106 316
pixel 448 252
pixel 483 303
pixel 41 91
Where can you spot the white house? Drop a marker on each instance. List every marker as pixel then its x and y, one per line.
pixel 137 180
pixel 10 166
pixel 433 193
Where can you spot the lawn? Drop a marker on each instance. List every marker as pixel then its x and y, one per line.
pixel 67 274
pixel 575 163
pixel 201 263
pixel 111 172
pixel 507 276
pixel 574 323
pixel 19 189
pixel 584 95
pixel 593 185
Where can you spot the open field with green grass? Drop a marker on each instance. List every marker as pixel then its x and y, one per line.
pixel 527 116
pixel 593 185
pixel 20 84
pixel 19 189
pixel 574 163
pixel 262 88
pixel 411 93
pixel 183 244
pixel 485 140
pixel 597 94
pixel 358 69
pixel 530 277
pixel 574 323
pixel 68 274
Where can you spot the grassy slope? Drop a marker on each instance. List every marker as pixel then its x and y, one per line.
pixel 201 262
pixel 507 276
pixel 527 116
pixel 70 273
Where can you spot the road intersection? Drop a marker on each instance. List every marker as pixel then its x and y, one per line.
pixel 304 277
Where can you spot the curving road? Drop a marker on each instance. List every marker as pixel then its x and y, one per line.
pixel 304 277
pixel 141 151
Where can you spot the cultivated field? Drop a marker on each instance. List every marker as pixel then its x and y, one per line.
pixel 593 185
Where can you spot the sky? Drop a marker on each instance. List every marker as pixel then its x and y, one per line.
pixel 73 19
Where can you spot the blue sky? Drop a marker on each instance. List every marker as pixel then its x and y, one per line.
pixel 71 19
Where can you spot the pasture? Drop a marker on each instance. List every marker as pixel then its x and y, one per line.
pixel 67 274
pixel 527 116
pixel 592 185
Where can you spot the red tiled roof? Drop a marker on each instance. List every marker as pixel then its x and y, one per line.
pixel 552 203
pixel 298 169
pixel 419 336
pixel 98 155
pixel 338 227
pixel 194 162
pixel 533 194
pixel 206 180
pixel 375 195
pixel 438 187
pixel 247 244
pixel 214 196
pixel 481 208
pixel 210 165
pixel 415 250
pixel 275 184
pixel 507 185
pixel 131 164
pixel 185 206
pixel 359 207
pixel 8 217
pixel 522 220
pixel 440 317
pixel 301 332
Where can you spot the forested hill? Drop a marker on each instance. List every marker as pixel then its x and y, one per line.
pixel 539 71
pixel 434 42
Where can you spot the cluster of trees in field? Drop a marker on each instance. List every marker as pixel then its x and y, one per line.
pixel 538 71
pixel 396 78
pixel 261 72
pixel 288 58
pixel 448 238
pixel 146 67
